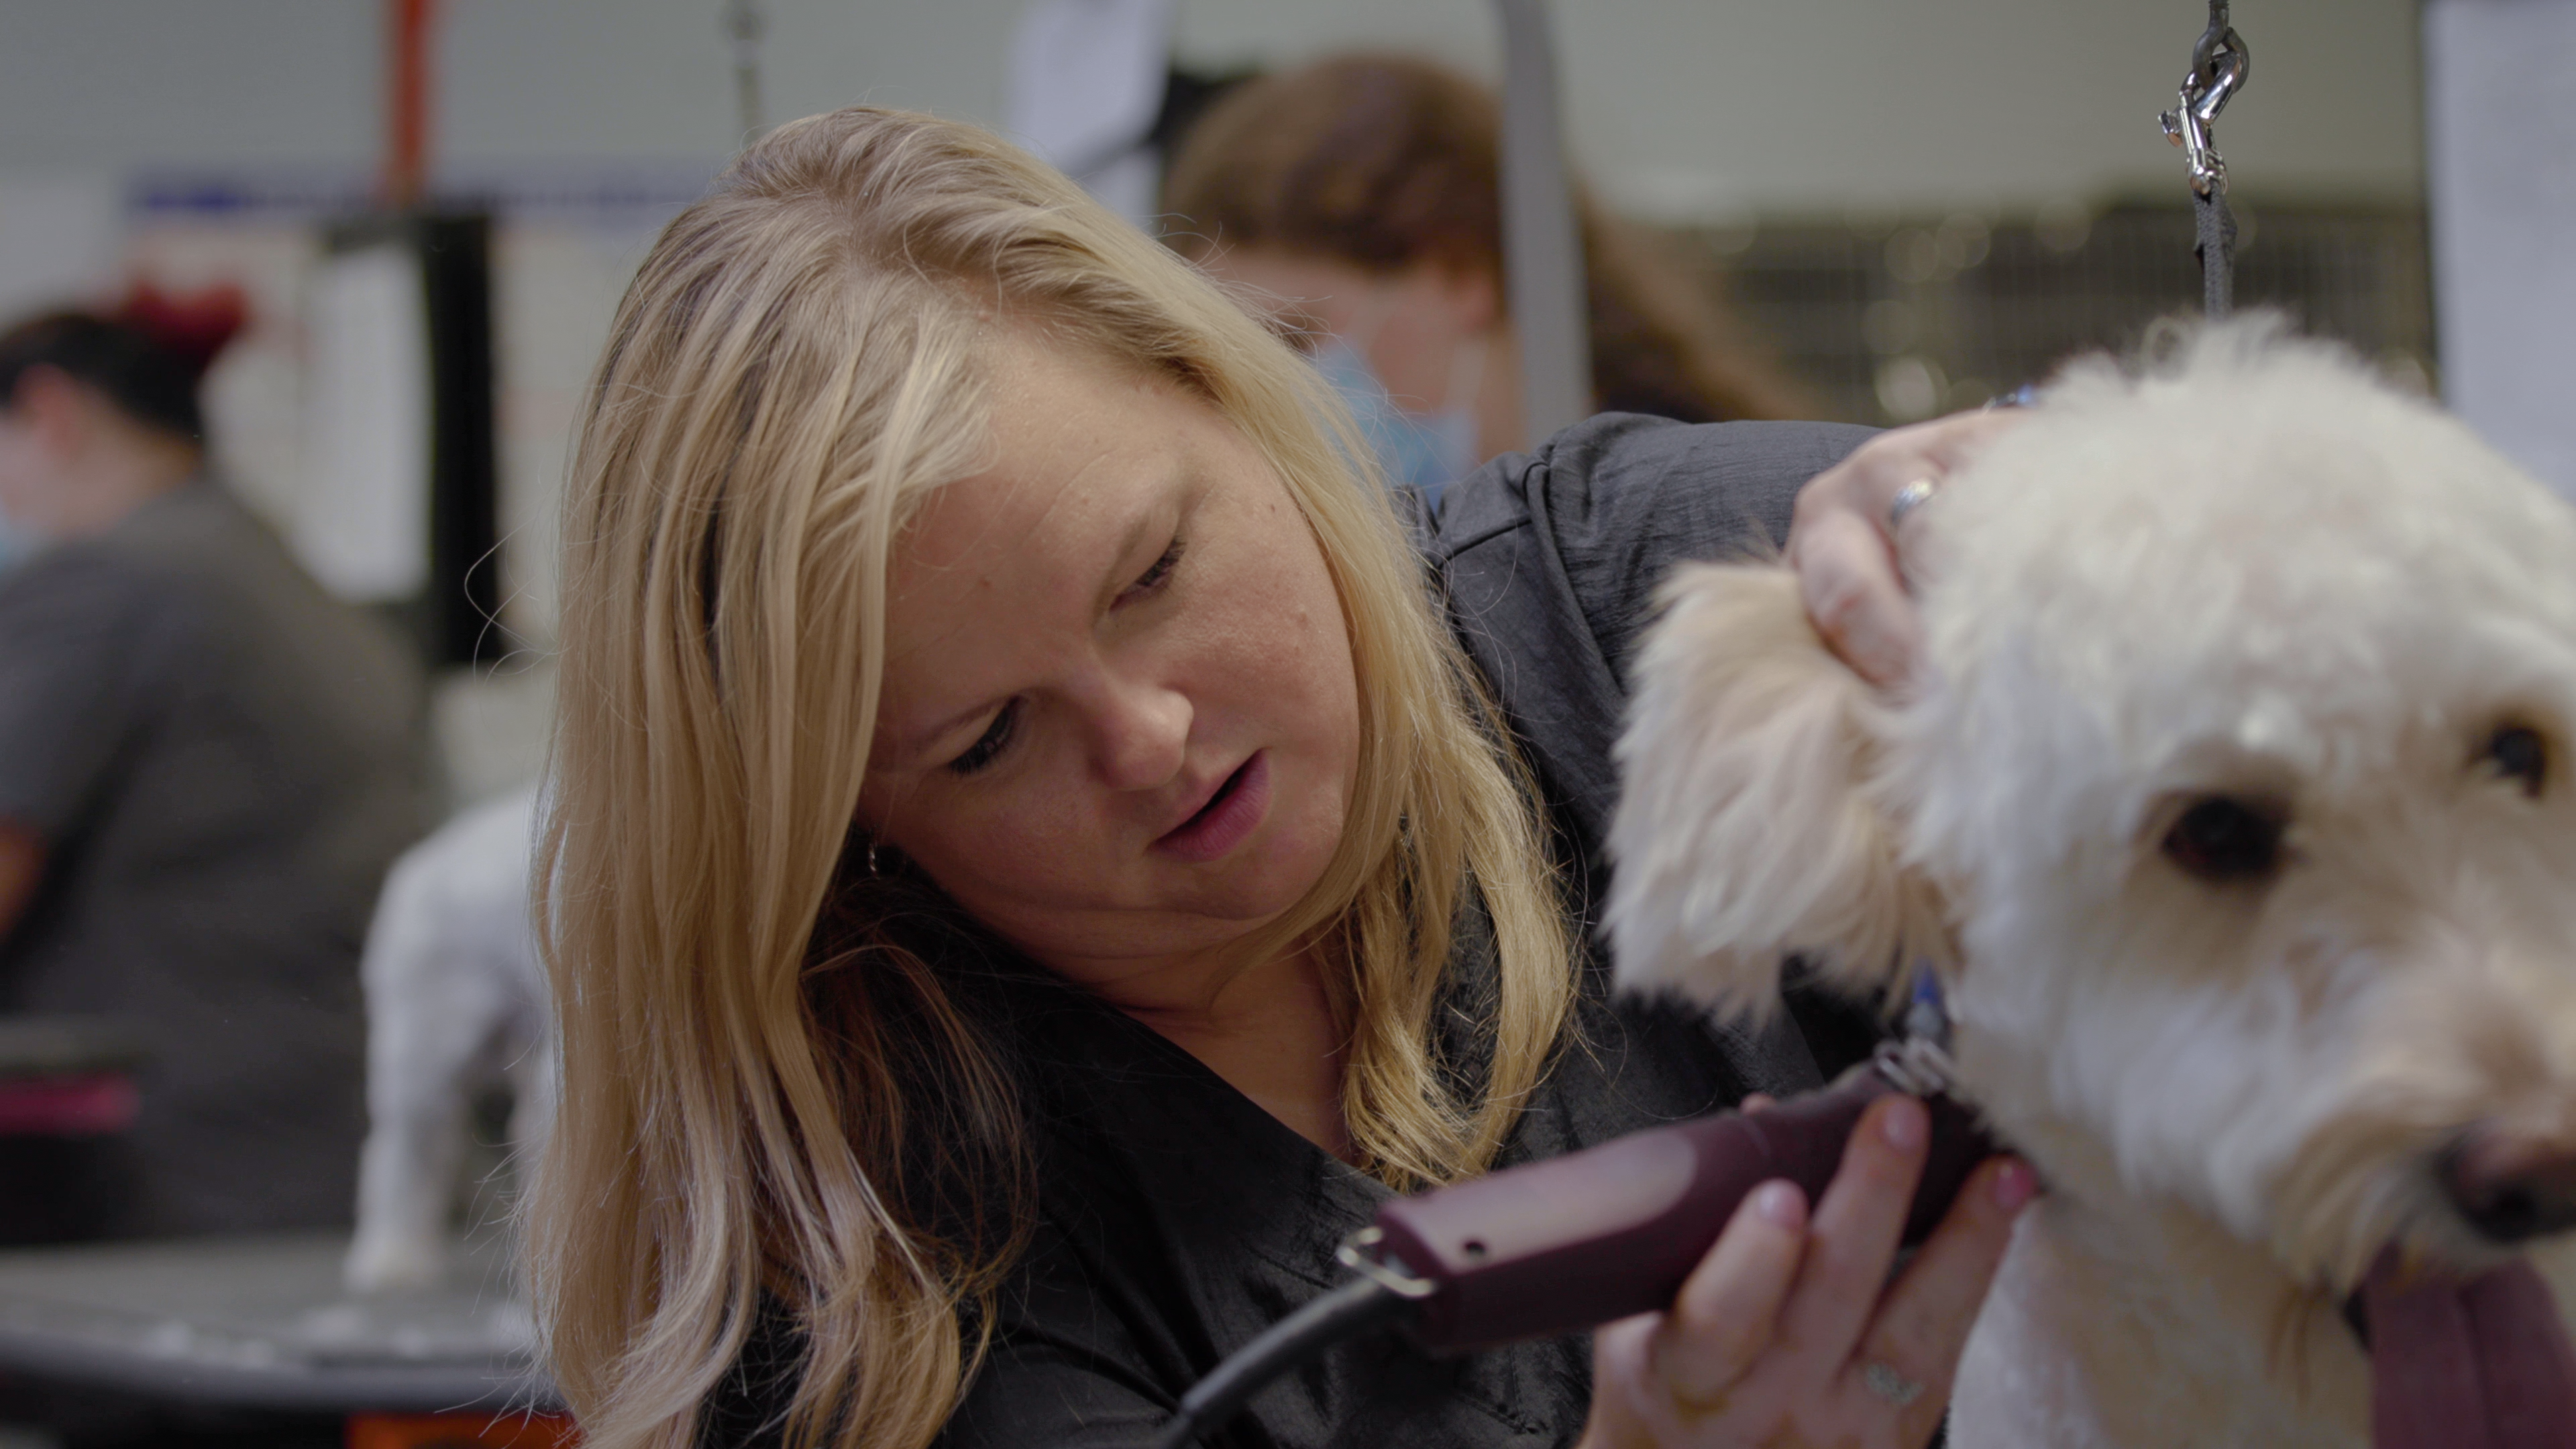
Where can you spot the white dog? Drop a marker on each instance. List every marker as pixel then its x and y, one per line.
pixel 455 1002
pixel 2235 807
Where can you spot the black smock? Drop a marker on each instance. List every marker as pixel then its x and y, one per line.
pixel 1177 1220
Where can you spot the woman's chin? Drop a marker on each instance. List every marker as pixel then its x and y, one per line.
pixel 1254 886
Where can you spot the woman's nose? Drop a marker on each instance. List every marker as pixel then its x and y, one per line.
pixel 1143 735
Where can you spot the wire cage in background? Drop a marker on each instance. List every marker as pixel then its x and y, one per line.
pixel 1895 319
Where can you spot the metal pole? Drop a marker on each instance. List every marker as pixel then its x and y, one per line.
pixel 744 22
pixel 1542 245
pixel 412 27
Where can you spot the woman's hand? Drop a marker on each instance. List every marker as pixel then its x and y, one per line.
pixel 1843 544
pixel 1789 1333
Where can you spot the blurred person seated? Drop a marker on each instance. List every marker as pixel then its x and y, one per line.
pixel 205 767
pixel 1361 193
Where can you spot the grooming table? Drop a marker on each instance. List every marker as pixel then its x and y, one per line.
pixel 263 1323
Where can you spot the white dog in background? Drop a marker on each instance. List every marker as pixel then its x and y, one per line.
pixel 455 1003
pixel 2235 806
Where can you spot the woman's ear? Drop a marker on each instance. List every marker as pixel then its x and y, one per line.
pixel 1748 828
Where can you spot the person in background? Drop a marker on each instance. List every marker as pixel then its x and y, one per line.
pixel 205 767
pixel 1362 193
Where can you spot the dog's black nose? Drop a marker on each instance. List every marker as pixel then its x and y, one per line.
pixel 2511 1186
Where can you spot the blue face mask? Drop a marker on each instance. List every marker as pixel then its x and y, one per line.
pixel 1425 452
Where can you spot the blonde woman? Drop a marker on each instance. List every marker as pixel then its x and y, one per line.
pixel 1036 857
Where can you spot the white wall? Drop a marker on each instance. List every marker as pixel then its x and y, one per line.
pixel 1685 109
pixel 1687 105
pixel 2504 210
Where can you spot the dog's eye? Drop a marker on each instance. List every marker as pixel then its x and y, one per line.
pixel 2224 839
pixel 2518 753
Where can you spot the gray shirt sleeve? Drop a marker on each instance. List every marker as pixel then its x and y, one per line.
pixel 1551 560
pixel 73 626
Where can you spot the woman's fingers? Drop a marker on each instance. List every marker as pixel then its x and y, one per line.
pixel 1848 578
pixel 1843 544
pixel 1853 1238
pixel 1722 1321
pixel 1954 441
pixel 1911 1351
pixel 1789 1330
pixel 1879 469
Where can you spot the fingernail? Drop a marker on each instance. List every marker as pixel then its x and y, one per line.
pixel 2015 1184
pixel 1779 1204
pixel 1903 1123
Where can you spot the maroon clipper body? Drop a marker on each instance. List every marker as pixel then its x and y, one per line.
pixel 1567 1244
pixel 1563 1245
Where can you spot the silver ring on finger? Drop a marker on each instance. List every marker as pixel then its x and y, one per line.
pixel 1888 1386
pixel 1908 498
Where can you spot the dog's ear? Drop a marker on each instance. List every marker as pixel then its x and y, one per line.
pixel 1747 827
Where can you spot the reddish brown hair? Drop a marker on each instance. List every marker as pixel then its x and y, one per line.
pixel 1387 162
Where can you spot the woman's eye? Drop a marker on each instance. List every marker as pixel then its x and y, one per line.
pixel 1155 577
pixel 2518 753
pixel 990 743
pixel 2221 839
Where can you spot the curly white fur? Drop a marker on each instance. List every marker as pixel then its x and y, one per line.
pixel 2246 568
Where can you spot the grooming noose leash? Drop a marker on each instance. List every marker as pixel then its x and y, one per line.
pixel 2219 65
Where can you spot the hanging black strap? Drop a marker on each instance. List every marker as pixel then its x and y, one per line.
pixel 2215 245
pixel 2219 65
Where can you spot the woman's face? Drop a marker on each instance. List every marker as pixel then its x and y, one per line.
pixel 1120 720
pixel 1412 326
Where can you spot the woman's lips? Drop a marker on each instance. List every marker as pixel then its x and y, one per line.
pixel 1229 815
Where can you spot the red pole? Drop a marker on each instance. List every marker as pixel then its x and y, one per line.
pixel 407 119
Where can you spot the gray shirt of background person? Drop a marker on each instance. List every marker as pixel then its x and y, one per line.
pixel 222 761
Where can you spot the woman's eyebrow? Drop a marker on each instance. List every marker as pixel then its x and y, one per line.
pixel 1159 515
pixel 1163 510
pixel 910 745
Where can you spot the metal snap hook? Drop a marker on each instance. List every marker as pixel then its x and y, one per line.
pixel 2220 63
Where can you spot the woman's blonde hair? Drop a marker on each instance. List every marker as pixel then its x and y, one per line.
pixel 768 1086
